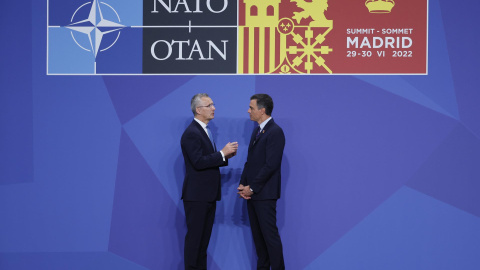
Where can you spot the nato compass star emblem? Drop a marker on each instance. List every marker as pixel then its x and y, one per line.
pixel 95 26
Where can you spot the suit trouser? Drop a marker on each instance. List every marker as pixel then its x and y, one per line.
pixel 199 217
pixel 263 222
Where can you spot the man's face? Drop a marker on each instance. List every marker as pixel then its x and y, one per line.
pixel 255 113
pixel 206 109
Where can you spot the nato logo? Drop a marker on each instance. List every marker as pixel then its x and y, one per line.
pixel 95 26
pixel 94 37
pixel 115 37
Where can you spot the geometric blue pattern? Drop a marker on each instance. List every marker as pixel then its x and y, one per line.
pixel 398 85
pixel 435 91
pixel 412 231
pixel 66 260
pixel 439 84
pixel 451 173
pixel 379 172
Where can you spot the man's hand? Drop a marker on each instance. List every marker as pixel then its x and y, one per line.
pixel 244 192
pixel 230 149
pixel 231 155
pixel 234 153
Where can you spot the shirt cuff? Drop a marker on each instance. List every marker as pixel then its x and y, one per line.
pixel 223 156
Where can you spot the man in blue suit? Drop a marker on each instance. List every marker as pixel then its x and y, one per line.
pixel 201 185
pixel 261 181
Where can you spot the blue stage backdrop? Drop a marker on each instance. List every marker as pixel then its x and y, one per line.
pixel 379 172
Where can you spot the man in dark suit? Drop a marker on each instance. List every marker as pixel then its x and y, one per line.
pixel 260 183
pixel 201 186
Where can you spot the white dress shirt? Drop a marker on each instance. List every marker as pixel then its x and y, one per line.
pixel 204 126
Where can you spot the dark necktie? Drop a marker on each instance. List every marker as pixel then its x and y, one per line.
pixel 257 135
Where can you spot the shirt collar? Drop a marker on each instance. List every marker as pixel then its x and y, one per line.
pixel 204 126
pixel 264 123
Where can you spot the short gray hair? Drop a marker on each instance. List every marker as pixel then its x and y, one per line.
pixel 196 100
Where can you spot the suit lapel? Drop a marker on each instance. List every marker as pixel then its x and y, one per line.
pixel 265 130
pixel 252 138
pixel 204 135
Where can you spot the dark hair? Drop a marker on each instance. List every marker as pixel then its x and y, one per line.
pixel 264 101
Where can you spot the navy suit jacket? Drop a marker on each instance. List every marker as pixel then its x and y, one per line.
pixel 262 171
pixel 202 162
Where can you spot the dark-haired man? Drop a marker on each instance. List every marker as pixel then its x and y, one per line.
pixel 261 181
pixel 201 186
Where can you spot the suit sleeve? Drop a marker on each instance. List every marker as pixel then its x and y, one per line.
pixel 243 178
pixel 274 152
pixel 192 145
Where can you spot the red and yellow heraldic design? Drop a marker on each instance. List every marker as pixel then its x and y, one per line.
pixel 332 37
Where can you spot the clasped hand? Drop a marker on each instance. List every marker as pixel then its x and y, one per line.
pixel 244 192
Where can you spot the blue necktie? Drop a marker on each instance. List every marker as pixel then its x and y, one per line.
pixel 210 136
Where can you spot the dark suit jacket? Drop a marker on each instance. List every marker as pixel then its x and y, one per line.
pixel 262 169
pixel 202 162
